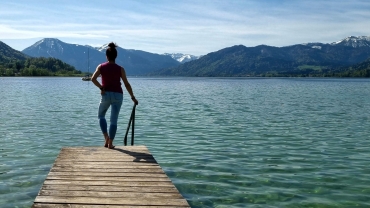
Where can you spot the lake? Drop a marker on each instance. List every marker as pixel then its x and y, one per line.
pixel 224 142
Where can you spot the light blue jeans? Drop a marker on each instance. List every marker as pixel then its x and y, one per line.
pixel 114 100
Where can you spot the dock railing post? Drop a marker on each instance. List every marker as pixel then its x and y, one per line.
pixel 132 119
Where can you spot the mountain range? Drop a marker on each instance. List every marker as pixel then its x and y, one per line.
pixel 347 57
pixel 263 60
pixel 86 58
pixel 182 58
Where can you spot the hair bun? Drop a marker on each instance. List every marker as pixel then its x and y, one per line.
pixel 112 45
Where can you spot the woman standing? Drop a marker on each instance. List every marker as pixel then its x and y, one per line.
pixel 111 92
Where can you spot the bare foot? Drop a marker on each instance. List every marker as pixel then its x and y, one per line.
pixel 106 137
pixel 110 144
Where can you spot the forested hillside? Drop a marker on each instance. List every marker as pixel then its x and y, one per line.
pixel 15 63
pixel 314 59
pixel 359 70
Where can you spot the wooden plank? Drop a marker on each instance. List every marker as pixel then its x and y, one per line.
pixel 110 201
pixel 103 170
pixel 141 189
pixel 70 155
pixel 99 155
pixel 104 159
pixel 110 174
pixel 89 178
pixel 118 148
pixel 109 194
pixel 118 166
pixel 38 205
pixel 108 183
pixel 122 149
pixel 107 164
pixel 105 152
pixel 100 177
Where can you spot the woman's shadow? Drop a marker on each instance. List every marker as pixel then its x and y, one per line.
pixel 141 157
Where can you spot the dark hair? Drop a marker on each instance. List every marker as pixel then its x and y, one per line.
pixel 111 52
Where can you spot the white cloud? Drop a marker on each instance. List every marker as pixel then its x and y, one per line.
pixel 195 27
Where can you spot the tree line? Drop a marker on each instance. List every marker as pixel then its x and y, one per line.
pixel 37 67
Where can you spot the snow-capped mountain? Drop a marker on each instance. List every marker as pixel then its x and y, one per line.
pixel 351 41
pixel 348 51
pixel 73 54
pixel 354 41
pixel 102 48
pixel 182 58
pixel 86 58
pixel 48 46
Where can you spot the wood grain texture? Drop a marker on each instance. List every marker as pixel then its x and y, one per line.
pixel 127 176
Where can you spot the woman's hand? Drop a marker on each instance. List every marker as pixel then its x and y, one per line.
pixel 102 90
pixel 135 101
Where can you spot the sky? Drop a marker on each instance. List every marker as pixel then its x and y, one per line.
pixel 195 27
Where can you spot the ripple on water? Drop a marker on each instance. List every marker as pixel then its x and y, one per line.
pixel 223 142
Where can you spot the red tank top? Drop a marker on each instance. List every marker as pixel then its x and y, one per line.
pixel 111 77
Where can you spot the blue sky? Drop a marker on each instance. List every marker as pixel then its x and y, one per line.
pixel 193 27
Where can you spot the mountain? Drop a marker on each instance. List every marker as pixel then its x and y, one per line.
pixel 347 57
pixel 7 53
pixel 73 54
pixel 358 70
pixel 144 62
pixel 13 62
pixel 354 41
pixel 135 62
pixel 102 48
pixel 182 58
pixel 262 60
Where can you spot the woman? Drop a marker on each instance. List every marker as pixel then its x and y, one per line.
pixel 111 93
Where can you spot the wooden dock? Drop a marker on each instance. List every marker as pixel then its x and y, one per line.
pixel 127 176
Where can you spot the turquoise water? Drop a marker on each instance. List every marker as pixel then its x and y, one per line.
pixel 223 142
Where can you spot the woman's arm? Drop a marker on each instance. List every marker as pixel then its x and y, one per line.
pixel 95 77
pixel 128 86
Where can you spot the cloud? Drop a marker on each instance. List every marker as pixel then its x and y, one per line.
pixel 195 27
pixel 42 31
